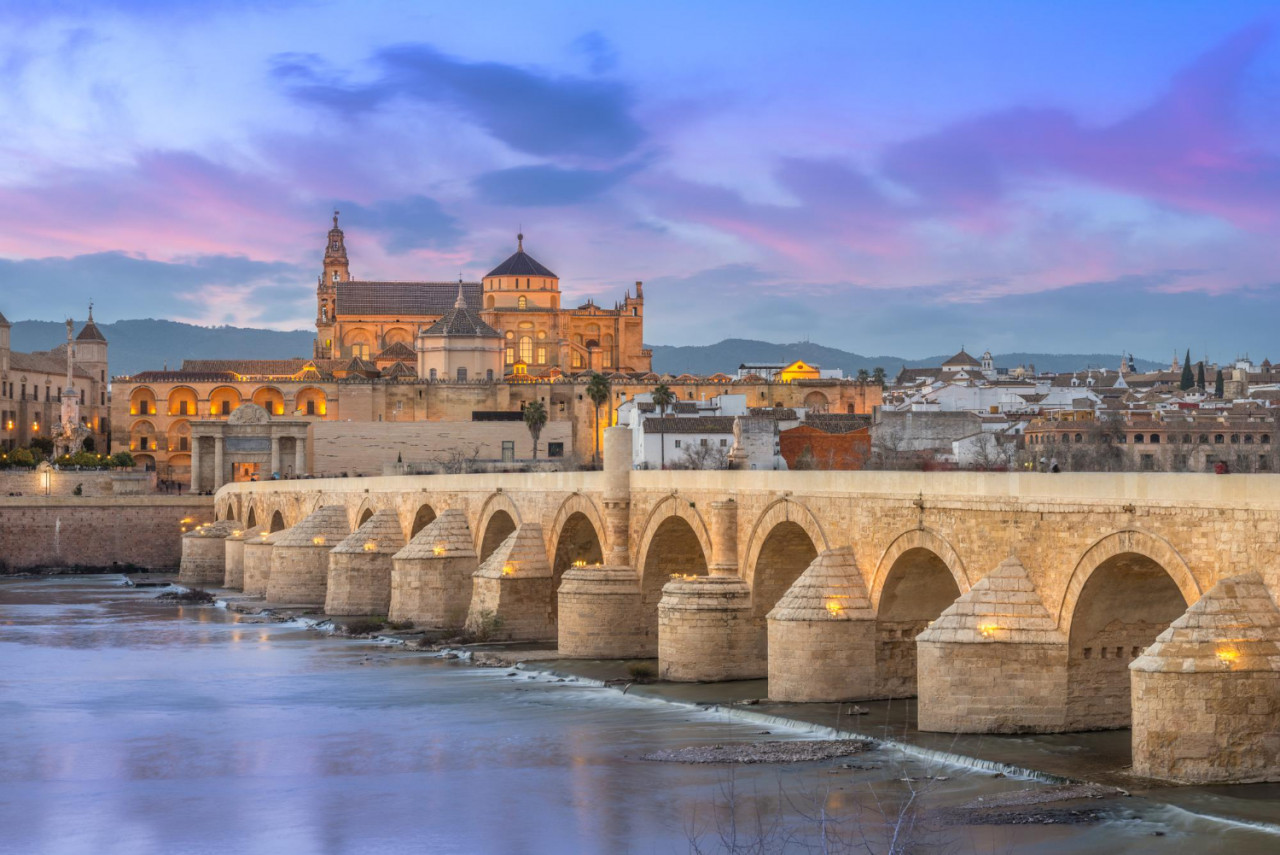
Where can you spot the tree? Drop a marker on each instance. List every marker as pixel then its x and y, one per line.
pixel 598 392
pixel 663 397
pixel 535 419
pixel 1188 379
pixel 877 376
pixel 122 460
pixel 863 375
pixel 1217 384
pixel 1200 375
pixel 22 457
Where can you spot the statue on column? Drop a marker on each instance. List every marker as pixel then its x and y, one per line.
pixel 70 435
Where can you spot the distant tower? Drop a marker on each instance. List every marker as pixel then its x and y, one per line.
pixel 988 365
pixel 336 269
pixel 91 355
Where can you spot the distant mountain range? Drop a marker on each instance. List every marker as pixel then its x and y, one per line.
pixel 727 355
pixel 148 344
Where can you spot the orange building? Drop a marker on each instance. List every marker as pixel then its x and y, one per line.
pixel 827 442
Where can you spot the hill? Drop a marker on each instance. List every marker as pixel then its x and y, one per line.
pixel 139 345
pixel 727 355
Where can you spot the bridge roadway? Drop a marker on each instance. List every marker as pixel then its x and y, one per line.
pixel 1008 602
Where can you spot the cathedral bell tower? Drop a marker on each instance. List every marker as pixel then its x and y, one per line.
pixel 336 269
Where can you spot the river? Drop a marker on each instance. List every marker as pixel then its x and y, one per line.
pixel 135 726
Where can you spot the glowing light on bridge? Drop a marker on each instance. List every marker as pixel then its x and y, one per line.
pixel 318 540
pixel 988 630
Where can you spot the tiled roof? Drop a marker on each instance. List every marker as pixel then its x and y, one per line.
pixel 399 369
pixel 91 332
pixel 461 321
pixel 397 350
pixel 688 408
pixel 963 358
pixel 782 414
pixel 687 424
pixel 280 367
pixel 520 264
pixel 44 362
pixel 4 322
pixel 182 377
pixel 404 298
pixel 830 588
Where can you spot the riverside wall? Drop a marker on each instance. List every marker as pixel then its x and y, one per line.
pixel 95 533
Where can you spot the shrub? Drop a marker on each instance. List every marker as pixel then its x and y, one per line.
pixel 122 460
pixel 641 671
pixel 22 457
pixel 78 491
pixel 482 627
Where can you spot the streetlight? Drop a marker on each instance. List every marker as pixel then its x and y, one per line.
pixel 48 478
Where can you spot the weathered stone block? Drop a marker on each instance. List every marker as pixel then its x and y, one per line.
pixel 601 616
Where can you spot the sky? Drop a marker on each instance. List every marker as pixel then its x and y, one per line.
pixel 883 177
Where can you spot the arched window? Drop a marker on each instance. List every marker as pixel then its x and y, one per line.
pixel 526 349
pixel 335 276
pixel 523 302
pixel 1248 439
pixel 1155 438
pixel 1218 438
pixel 1137 437
pixel 1079 438
pixel 1266 439
pixel 1186 437
pixel 1235 438
pixel 462 374
pixel 432 375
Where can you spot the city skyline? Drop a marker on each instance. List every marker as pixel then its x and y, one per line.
pixel 1036 179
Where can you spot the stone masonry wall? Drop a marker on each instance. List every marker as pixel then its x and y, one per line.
pixel 81 532
pixel 364 447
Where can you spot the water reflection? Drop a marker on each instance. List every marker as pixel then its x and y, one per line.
pixel 135 726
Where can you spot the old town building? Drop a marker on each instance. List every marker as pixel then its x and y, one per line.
pixel 520 299
pixel 32 386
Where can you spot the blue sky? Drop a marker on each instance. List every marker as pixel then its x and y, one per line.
pixel 882 177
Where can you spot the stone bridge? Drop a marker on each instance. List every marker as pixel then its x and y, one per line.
pixel 1008 602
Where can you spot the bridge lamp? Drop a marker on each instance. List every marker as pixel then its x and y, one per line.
pixel 1228 656
pixel 988 630
pixel 509 569
pixel 438 549
pixel 370 546
pixel 835 608
pixel 318 540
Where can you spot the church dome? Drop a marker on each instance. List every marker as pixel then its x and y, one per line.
pixel 521 264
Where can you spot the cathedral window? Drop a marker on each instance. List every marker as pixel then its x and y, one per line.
pixel 488 374
pixel 335 276
pixel 462 375
pixel 526 349
pixel 433 375
pixel 511 356
pixel 542 355
pixel 523 302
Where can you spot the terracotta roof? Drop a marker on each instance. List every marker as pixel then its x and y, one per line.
pixel 783 414
pixel 404 298
pixel 182 377
pixel 689 424
pixel 688 408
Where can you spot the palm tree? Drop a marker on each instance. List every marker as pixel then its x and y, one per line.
pixel 877 376
pixel 598 392
pixel 863 375
pixel 663 397
pixel 535 419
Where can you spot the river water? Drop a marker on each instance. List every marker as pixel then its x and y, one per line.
pixel 134 726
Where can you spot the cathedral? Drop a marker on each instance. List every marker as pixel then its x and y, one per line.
pixel 510 324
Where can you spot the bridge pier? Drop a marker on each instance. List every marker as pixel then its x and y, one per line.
pixel 204 554
pixel 431 577
pixel 233 567
pixel 822 634
pixel 257 561
pixel 994 661
pixel 513 592
pixel 300 557
pixel 360 567
pixel 601 609
pixel 1206 694
pixel 707 630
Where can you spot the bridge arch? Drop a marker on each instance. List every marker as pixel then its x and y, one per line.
pixel 277 522
pixel 917 578
pixel 422 517
pixel 675 539
pixel 364 512
pixel 577 535
pixel 498 518
pixel 251 517
pixel 576 505
pixel 1124 591
pixel 784 540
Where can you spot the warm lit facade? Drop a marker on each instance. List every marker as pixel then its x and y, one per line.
pixel 519 298
pixel 32 384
